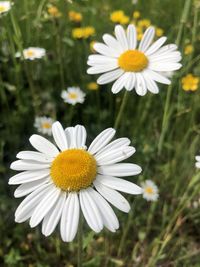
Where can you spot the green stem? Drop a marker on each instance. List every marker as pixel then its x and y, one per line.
pixel 80 242
pixel 121 110
pixel 166 116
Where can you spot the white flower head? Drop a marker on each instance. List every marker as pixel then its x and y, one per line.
pixel 150 190
pixel 73 95
pixel 43 125
pixel 130 65
pixel 5 6
pixel 59 180
pixel 197 164
pixel 32 53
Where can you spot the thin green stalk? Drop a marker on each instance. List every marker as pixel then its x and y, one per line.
pixel 80 242
pixel 121 110
pixel 165 121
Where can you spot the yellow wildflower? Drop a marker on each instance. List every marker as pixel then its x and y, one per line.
pixel 159 32
pixel 75 16
pixel 54 12
pixel 84 32
pixel 136 14
pixel 118 16
pixel 88 31
pixel 77 33
pixel 188 49
pixel 190 82
pixel 92 86
pixel 145 23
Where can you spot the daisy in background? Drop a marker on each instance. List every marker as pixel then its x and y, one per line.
pixel 43 124
pixel 130 65
pixel 32 53
pixel 197 164
pixel 150 190
pixel 73 95
pixel 59 179
pixel 5 6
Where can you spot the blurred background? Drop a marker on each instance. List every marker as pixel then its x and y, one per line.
pixel 164 232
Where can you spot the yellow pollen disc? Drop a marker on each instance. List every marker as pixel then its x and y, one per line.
pixel 133 61
pixel 73 169
pixel 2 9
pixel 46 125
pixel 72 95
pixel 149 190
pixel 30 53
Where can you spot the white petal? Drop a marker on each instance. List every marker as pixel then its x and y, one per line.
pixel 118 143
pixel 197 158
pixel 99 60
pixel 29 176
pixel 112 42
pixel 165 50
pixel 28 165
pixel 109 218
pixel 119 184
pixel 197 165
pixel 140 86
pixel 27 188
pixel 155 46
pixel 164 66
pixel 112 196
pixel 121 36
pixel 70 218
pixel 119 84
pixel 101 140
pixel 33 155
pixel 59 136
pixel 26 208
pixel 172 57
pixel 157 77
pixel 147 39
pixel 110 76
pixel 43 145
pixel 105 50
pixel 53 216
pixel 80 136
pixel 151 85
pixel 117 155
pixel 44 206
pixel 120 169
pixel 130 81
pixel 90 211
pixel 102 68
pixel 132 37
pixel 71 139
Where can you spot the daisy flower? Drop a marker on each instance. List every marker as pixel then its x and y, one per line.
pixel 130 65
pixel 43 124
pixel 59 180
pixel 150 190
pixel 73 95
pixel 5 6
pixel 197 164
pixel 32 53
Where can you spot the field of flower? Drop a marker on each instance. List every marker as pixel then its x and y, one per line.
pixel 147 90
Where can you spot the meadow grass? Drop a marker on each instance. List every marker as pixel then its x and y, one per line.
pixel 164 128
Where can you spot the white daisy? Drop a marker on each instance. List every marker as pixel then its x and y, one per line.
pixel 73 95
pixel 150 190
pixel 5 6
pixel 32 53
pixel 59 180
pixel 43 124
pixel 197 164
pixel 121 61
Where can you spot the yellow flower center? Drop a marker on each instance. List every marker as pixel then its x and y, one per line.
pixel 133 60
pixel 2 8
pixel 149 190
pixel 46 125
pixel 72 95
pixel 73 169
pixel 30 53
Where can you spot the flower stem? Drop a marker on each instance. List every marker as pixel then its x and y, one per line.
pixel 121 110
pixel 166 115
pixel 80 242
